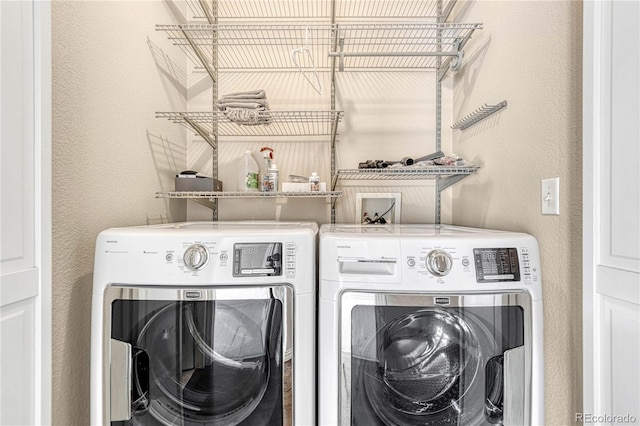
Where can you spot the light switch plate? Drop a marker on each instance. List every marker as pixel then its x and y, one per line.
pixel 550 196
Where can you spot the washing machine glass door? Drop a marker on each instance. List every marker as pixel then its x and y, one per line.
pixel 412 361
pixel 212 357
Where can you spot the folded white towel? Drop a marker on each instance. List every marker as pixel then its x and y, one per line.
pixel 247 116
pixel 254 104
pixel 252 94
pixel 246 108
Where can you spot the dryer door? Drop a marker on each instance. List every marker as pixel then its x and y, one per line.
pixel 434 360
pixel 197 357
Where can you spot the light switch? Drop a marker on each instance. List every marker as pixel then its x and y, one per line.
pixel 550 196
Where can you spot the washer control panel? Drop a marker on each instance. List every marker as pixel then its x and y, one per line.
pixel 195 257
pixel 224 254
pixel 231 259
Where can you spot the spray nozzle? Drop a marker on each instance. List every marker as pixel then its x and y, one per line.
pixel 267 152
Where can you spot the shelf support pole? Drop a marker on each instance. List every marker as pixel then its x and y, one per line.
pixel 334 130
pixel 438 198
pixel 214 95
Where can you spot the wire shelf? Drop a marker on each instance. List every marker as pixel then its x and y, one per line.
pixel 274 9
pixel 316 9
pixel 385 9
pixel 281 123
pixel 236 47
pixel 399 46
pixel 423 173
pixel 254 194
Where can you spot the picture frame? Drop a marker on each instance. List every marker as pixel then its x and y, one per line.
pixel 378 208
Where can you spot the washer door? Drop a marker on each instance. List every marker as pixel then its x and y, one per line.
pixel 204 362
pixel 427 365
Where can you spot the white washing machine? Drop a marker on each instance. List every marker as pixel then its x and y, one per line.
pixel 429 325
pixel 204 324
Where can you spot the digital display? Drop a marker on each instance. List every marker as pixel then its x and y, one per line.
pixel 496 265
pixel 257 259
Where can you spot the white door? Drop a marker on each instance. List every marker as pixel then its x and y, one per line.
pixel 25 270
pixel 611 212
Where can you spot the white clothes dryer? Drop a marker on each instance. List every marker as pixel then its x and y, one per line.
pixel 429 325
pixel 204 324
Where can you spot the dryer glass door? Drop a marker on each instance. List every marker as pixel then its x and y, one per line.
pixel 429 360
pixel 207 357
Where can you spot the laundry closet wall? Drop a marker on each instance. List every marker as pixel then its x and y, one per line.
pixel 110 74
pixel 530 54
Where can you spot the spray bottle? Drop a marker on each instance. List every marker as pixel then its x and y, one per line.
pixel 270 175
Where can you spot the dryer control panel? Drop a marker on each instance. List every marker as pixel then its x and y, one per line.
pixel 418 258
pixel 471 264
pixel 496 264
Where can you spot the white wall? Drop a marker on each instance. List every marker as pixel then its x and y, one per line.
pixel 110 155
pixel 530 54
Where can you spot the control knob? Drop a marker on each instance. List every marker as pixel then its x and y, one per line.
pixel 195 257
pixel 439 262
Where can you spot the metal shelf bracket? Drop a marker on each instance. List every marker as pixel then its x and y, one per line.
pixel 456 61
pixel 201 56
pixel 448 181
pixel 201 131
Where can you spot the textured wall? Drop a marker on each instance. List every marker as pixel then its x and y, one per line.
pixel 110 155
pixel 530 54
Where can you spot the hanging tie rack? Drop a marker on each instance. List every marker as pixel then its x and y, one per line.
pixel 478 115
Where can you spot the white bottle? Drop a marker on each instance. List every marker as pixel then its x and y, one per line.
pixel 248 172
pixel 314 182
pixel 273 176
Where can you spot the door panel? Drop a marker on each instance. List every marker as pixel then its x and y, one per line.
pixel 620 144
pixel 25 226
pixel 18 120
pixel 620 324
pixel 611 194
pixel 17 352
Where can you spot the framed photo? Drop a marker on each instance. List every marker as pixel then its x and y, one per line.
pixel 378 208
